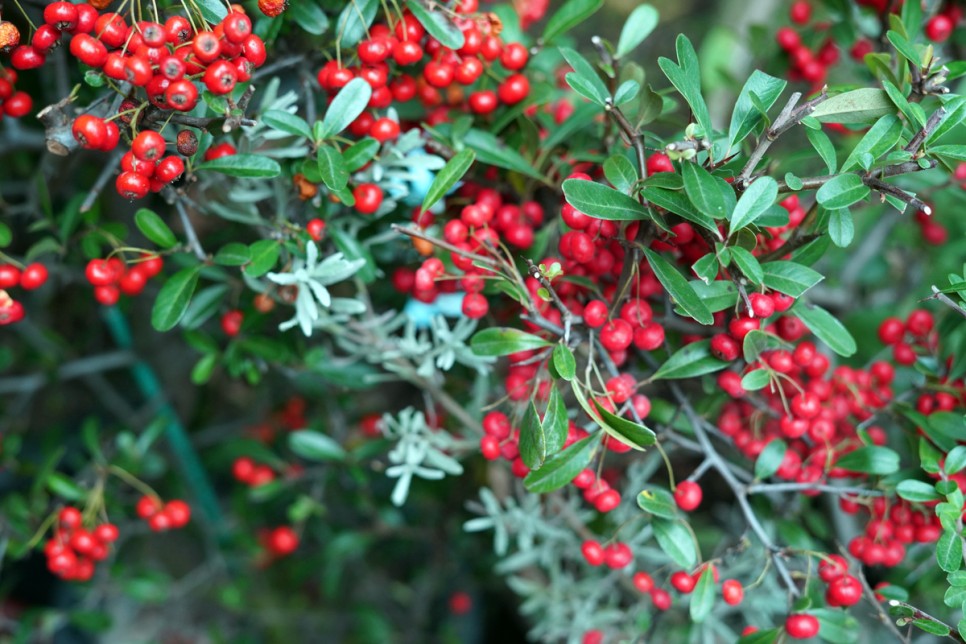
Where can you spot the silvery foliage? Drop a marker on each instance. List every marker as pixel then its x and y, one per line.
pixel 404 170
pixel 437 348
pixel 419 451
pixel 311 276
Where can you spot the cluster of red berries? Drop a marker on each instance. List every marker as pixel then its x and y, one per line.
pixel 112 277
pixel 905 337
pixel 933 232
pixel 13 103
pixel 247 471
pixel 72 551
pixel 33 276
pixel 162 516
pixel 806 65
pixel 889 530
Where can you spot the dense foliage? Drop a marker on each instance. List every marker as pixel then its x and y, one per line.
pixel 306 304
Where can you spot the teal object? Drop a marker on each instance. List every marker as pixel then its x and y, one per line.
pixel 422 313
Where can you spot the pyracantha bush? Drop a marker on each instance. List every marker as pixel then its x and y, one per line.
pixel 677 332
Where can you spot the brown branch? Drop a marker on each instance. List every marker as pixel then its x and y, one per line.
pixel 635 138
pixel 566 315
pixel 916 142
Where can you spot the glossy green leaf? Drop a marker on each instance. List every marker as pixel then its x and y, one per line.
pixel 542 438
pixel 332 168
pixel 620 172
pixel 826 328
pixel 502 341
pixel 769 636
pixel 439 25
pixel 233 254
pixel 348 104
pixel 748 264
pixel 360 153
pixel 955 460
pixel 703 595
pixel 658 501
pixel 755 379
pixel 308 15
pixel 871 459
pixel 790 278
pixel 703 190
pixel 491 151
pixel 64 487
pixel 880 138
pixel 842 191
pixel 285 122
pixel 770 459
pixel 213 11
pixel 591 86
pixel 841 228
pixel 315 446
pixel 626 431
pixel 636 29
pixel 754 202
pixel 676 542
pixel 823 145
pixel 857 106
pixel 917 491
pixel 564 362
pixel 354 20
pixel 686 78
pixel 746 115
pixel 174 297
pixel 836 626
pixel 949 551
pixel 675 201
pixel 689 361
pixel 571 14
pixel 561 468
pixel 154 228
pixel 597 200
pixel 447 177
pixel 244 165
pixel 678 287
pixel 264 255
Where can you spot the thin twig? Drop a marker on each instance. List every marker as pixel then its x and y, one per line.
pixel 189 230
pixel 412 232
pixel 948 301
pixel 106 173
pixel 765 488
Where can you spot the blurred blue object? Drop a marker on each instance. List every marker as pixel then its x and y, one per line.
pixel 420 179
pixel 447 304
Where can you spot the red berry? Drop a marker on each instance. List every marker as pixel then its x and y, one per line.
pixel 475 306
pixel 787 38
pixel 661 599
pixel 514 56
pixel 514 89
pixel 939 28
pixel 147 507
pixel 801 626
pixel 69 518
pixel 643 582
pixel 231 322
pixel 688 495
pixel 844 591
pixel 732 591
pixel 169 169
pixel 9 276
pixel 801 12
pixel 106 533
pixel 368 198
pixel 34 276
pixel 682 582
pixel 920 322
pixel 891 330
pixel 616 335
pixel 384 129
pixel 592 552
pixel 132 185
pixel 148 146
pixel 282 541
pixel 178 513
pixel 832 568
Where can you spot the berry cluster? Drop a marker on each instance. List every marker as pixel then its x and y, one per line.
pixel 162 516
pixel 33 276
pixel 112 277
pixel 247 471
pixel 917 332
pixel 13 103
pixel 806 64
pixel 72 551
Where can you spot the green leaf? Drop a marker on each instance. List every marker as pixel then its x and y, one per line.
pixel 790 278
pixel 747 263
pixel 676 542
pixel 492 151
pixel 354 20
pixel 917 491
pixel 561 468
pixel 880 138
pixel 836 626
pixel 757 342
pixel 842 191
pixel 264 254
pixel 770 459
pixel 154 228
pixel 332 168
pixel 348 104
pixel 956 152
pixel 360 153
pixel 717 296
pixel 949 551
pixel 439 25
pixel 603 202
pixel 955 460
pixel 308 15
pixel 755 379
pixel 703 190
pixel 592 86
pixel 686 78
pixel 233 254
pixel 564 362
pixel 931 627
pixel 858 106
pixel 502 341
pixel 702 597
pixel 315 446
pixel 754 202
pixel 204 305
pixel 746 116
pixel 841 228
pixel 678 287
pixel 769 636
pixel 244 165
pixel 447 177
pixel 620 172
pixel 65 488
pixel 540 439
pixel 870 459
pixel 638 27
pixel 627 92
pixel 676 202
pixel 826 328
pixel 213 11
pixel 904 47
pixel 174 297
pixel 632 434
pixel 823 145
pixel 285 122
pixel 691 360
pixel 569 16
pixel 955 113
pixel 658 501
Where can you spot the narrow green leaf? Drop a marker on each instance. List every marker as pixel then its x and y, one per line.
pixel 244 165
pixel 289 123
pixel 746 116
pixel 857 106
pixel 174 297
pixel 949 551
pixel 620 172
pixel 870 459
pixel 755 379
pixel 264 254
pixel 955 460
pixel 346 107
pixel 826 328
pixel 703 190
pixel 748 264
pixel 823 145
pixel 686 78
pixel 842 191
pixel 360 153
pixel 675 201
pixel 678 287
pixel 676 542
pixel 595 89
pixel 561 468
pixel 315 446
pixel 603 202
pixel 564 362
pixel 332 168
pixel 626 431
pixel 754 202
pixel 571 14
pixel 638 27
pixel 233 254
pixel 880 138
pixel 439 25
pixel 447 177
pixel 65 488
pixel 790 278
pixel 841 228
pixel 689 361
pixel 212 10
pixel 533 442
pixel 904 47
pixel 703 595
pixel 502 341
pixel 770 459
pixel 154 228
pixel 492 151
pixel 354 20
pixel 308 15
